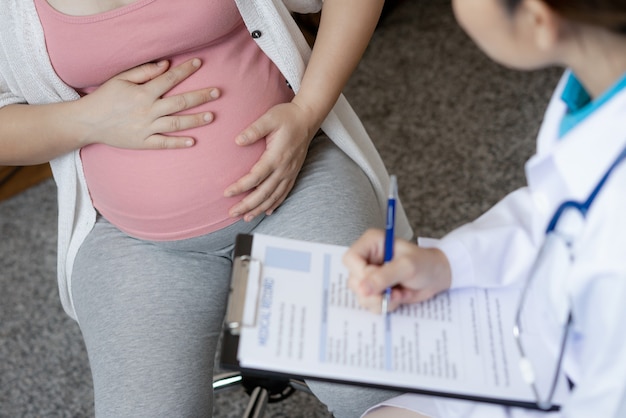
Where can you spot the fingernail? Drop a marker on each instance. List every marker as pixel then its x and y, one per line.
pixel 214 93
pixel 189 142
pixel 208 117
pixel 195 62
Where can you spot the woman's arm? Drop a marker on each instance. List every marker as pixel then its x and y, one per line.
pixel 346 27
pixel 126 111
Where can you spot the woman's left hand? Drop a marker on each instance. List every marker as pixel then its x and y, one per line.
pixel 288 134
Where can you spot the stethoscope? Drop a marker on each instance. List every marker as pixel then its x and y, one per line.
pixel 554 257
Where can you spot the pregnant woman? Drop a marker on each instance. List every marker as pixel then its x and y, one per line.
pixel 172 127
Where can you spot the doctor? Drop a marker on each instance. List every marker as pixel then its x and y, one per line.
pixel 570 218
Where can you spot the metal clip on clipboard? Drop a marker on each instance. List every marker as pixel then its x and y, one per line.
pixel 244 291
pixel 240 295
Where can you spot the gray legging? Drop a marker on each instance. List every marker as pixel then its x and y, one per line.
pixel 151 312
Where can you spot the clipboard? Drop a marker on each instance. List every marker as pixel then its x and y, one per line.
pixel 249 270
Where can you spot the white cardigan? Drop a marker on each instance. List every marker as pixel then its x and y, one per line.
pixel 27 76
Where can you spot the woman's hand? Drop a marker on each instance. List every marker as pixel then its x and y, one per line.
pixel 288 134
pixel 129 111
pixel 414 274
pixel 345 29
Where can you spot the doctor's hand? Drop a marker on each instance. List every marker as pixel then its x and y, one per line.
pixel 414 274
pixel 288 131
pixel 129 110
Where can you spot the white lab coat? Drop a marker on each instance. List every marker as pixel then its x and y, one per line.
pixel 498 248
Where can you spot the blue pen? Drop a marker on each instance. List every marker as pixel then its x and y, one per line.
pixel 389 233
pixel 390 222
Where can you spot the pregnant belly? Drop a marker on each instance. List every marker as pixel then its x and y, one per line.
pixel 168 194
pixel 178 194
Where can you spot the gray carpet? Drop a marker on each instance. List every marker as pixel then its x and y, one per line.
pixel 453 126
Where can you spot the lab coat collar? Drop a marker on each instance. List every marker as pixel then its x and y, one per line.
pixel 580 158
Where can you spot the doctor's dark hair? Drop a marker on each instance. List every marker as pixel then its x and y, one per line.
pixel 609 14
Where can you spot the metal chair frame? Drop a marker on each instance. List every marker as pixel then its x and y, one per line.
pixel 262 390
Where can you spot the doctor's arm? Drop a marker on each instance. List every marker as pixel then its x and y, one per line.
pixel 496 249
pixel 346 26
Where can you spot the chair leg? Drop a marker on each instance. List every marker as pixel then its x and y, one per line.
pixel 259 398
pixel 261 390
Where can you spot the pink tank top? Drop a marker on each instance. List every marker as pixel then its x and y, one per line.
pixel 169 194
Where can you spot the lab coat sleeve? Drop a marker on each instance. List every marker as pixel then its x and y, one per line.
pixel 497 248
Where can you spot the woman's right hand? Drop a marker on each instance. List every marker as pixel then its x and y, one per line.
pixel 128 111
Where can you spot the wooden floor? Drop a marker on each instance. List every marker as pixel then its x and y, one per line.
pixel 14 180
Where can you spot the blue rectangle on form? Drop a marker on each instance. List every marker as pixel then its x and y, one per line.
pixel 288 259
